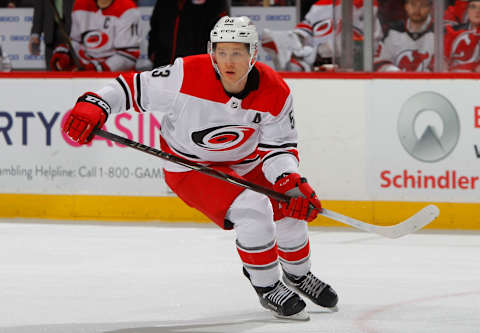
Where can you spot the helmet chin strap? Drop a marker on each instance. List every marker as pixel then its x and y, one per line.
pixel 234 83
pixel 250 66
pixel 240 79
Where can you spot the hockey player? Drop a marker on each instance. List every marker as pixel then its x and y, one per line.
pixel 462 47
pixel 235 115
pixel 316 36
pixel 408 46
pixel 104 35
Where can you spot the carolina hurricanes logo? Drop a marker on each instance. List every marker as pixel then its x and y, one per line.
pixel 412 60
pixel 323 28
pixel 222 138
pixel 465 47
pixel 95 39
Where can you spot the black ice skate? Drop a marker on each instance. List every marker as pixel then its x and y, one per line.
pixel 283 302
pixel 316 290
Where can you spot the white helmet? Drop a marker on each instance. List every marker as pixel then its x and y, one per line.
pixel 236 30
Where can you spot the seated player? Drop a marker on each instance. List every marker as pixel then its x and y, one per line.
pixel 104 36
pixel 408 46
pixel 314 38
pixel 462 48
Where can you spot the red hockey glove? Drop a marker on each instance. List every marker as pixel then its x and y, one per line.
pixel 61 60
pixel 89 113
pixel 302 196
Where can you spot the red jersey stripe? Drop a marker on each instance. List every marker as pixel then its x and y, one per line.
pixel 296 255
pixel 259 258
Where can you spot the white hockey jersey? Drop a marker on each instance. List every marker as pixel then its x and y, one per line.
pixel 202 123
pixel 318 26
pixel 406 51
pixel 108 36
pixel 319 36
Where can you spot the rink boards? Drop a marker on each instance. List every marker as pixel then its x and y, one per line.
pixel 375 147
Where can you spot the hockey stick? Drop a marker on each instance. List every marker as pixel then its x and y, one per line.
pixel 412 224
pixel 66 37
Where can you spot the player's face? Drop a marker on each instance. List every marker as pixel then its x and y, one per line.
pixel 232 61
pixel 418 10
pixel 104 3
pixel 473 13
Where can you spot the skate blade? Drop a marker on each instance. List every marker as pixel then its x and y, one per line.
pixel 300 316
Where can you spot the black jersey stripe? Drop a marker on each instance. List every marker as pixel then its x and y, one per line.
pixel 127 56
pixel 125 90
pixel 128 48
pixel 139 93
pixel 285 145
pixel 278 153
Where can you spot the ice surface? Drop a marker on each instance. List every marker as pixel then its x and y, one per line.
pixel 74 277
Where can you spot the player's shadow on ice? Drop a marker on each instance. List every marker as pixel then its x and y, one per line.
pixel 232 324
pixel 240 323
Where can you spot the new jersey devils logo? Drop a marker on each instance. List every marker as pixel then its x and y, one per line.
pixel 94 39
pixel 222 138
pixel 412 60
pixel 465 47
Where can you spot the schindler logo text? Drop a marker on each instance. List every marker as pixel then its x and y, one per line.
pixel 428 126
